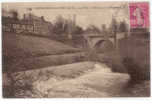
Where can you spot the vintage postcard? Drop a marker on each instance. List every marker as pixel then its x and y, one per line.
pixel 75 49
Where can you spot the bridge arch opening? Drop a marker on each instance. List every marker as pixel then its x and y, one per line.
pixel 104 46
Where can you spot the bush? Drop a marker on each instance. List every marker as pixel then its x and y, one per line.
pixel 136 72
pixel 19 85
pixel 114 61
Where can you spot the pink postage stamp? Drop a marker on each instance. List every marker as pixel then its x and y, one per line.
pixel 139 15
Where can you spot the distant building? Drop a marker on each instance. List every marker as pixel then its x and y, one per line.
pixel 10 23
pixel 7 14
pixel 30 24
pixel 41 26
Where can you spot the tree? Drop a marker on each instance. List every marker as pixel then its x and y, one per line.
pixel 78 30
pixel 60 26
pixel 103 27
pixel 114 28
pixel 15 14
pixel 114 25
pixel 93 29
pixel 123 27
pixel 66 26
pixel 104 31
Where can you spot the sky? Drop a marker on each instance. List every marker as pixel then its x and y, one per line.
pixel 93 13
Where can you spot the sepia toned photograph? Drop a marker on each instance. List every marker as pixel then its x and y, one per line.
pixel 75 49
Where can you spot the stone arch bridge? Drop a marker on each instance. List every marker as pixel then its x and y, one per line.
pixel 93 40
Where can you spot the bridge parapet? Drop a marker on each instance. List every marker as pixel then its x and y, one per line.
pixel 93 39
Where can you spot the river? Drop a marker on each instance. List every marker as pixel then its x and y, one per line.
pixel 97 82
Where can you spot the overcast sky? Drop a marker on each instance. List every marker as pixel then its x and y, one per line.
pixel 86 13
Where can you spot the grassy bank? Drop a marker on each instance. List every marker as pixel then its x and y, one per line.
pixel 26 51
pixel 22 46
pixel 42 62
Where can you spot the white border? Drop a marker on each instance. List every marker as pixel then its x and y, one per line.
pixel 122 98
pixel 73 0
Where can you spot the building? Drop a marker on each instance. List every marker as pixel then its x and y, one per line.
pixel 12 24
pixel 30 24
pixel 7 14
pixel 41 26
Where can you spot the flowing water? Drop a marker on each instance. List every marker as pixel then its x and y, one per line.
pixel 97 82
